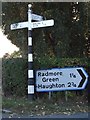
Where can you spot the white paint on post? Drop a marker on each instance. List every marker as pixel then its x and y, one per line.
pixel 30 58
pixel 29 17
pixel 30 89
pixel 30 41
pixel 30 74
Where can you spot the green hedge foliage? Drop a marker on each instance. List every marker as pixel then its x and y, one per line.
pixel 14 76
pixel 50 62
pixel 14 71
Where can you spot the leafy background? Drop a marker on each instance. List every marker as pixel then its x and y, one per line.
pixel 65 44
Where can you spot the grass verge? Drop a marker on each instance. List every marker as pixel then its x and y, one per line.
pixel 44 106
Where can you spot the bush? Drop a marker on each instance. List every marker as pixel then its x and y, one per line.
pixel 14 72
pixel 50 62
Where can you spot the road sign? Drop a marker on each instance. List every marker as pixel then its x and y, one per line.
pixel 61 79
pixel 44 23
pixel 37 17
pixel 19 25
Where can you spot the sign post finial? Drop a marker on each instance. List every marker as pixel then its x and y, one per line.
pixel 29 5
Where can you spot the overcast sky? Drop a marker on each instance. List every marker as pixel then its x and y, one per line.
pixel 5 45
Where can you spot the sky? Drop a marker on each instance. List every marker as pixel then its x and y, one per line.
pixel 5 45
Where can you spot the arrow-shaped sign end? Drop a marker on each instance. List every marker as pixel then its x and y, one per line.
pixel 84 78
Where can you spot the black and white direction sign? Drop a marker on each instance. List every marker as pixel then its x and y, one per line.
pixel 61 79
pixel 44 23
pixel 19 25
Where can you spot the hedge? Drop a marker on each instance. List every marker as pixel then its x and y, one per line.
pixel 14 74
pixel 14 71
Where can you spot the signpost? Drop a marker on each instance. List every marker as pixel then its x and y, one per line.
pixel 61 79
pixel 31 25
pixel 21 25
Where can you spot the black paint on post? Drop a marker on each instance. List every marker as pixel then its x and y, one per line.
pixel 30 58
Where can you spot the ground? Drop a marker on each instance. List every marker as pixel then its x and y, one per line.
pixel 44 107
